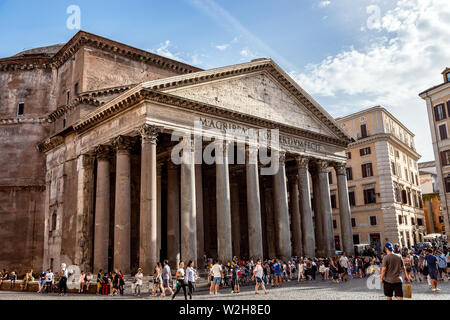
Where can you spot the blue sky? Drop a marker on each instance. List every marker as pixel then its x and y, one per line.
pixel 341 51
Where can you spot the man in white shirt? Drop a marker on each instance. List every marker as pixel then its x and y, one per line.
pixel 138 282
pixel 217 274
pixel 343 261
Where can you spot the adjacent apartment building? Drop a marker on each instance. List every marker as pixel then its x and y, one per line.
pixel 431 200
pixel 383 181
pixel 438 107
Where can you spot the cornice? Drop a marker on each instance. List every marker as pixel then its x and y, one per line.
pixel 119 105
pixel 84 38
pixel 50 144
pixel 384 137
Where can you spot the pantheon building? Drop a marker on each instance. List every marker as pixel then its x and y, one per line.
pixel 89 130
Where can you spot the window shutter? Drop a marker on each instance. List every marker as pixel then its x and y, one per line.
pixel 444 114
pixel 448 107
pixel 365 197
pixel 443 158
pixel 436 114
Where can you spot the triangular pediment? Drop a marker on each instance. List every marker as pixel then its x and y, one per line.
pixel 257 94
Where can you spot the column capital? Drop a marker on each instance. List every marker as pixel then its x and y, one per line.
pixel 103 152
pixel 282 155
pixel 341 168
pixel 149 133
pixel 88 160
pixel 123 143
pixel 322 166
pixel 302 162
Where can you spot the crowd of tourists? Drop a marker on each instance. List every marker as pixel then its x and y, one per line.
pixel 431 265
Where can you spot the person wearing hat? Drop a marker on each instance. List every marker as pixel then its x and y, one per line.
pixel 392 266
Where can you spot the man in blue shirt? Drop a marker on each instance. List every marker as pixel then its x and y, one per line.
pixel 432 263
pixel 278 274
pixel 442 264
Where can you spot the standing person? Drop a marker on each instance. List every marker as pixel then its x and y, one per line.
pixel 278 273
pixel 13 279
pixel 99 280
pixel 41 282
pixel 63 280
pixel 138 280
pixel 392 266
pixel 432 263
pixel 217 274
pixel 106 281
pixel 235 277
pixel 334 269
pixel 158 281
pixel 167 277
pixel 191 275
pixel 408 264
pixel 258 274
pixel 442 265
pixel 121 283
pixel 49 281
pixel 181 284
pixel 343 262
pixel 301 271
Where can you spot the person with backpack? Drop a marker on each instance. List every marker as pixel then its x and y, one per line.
pixel 167 277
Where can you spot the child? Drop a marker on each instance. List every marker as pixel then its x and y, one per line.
pixel 350 271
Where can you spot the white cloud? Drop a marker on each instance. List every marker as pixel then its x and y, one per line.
pixel 223 47
pixel 323 4
pixel 164 50
pixel 410 50
pixel 246 53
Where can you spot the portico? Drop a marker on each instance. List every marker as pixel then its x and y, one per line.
pixel 143 206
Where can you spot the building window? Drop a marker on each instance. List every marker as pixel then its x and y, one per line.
pixel 334 224
pixel 419 222
pixel 445 157
pixel 370 196
pixel 413 222
pixel 68 97
pixel 443 131
pixel 439 112
pixel 367 170
pixel 404 197
pixel 441 219
pixel 394 172
pixel 356 239
pixel 330 177
pixel 397 154
pixel 400 220
pixel 349 172
pixel 21 109
pixel 333 201
pixel 447 184
pixel 353 222
pixel 75 90
pixel 351 198
pixel 373 220
pixel 349 155
pixel 54 220
pixel 364 131
pixel 364 151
